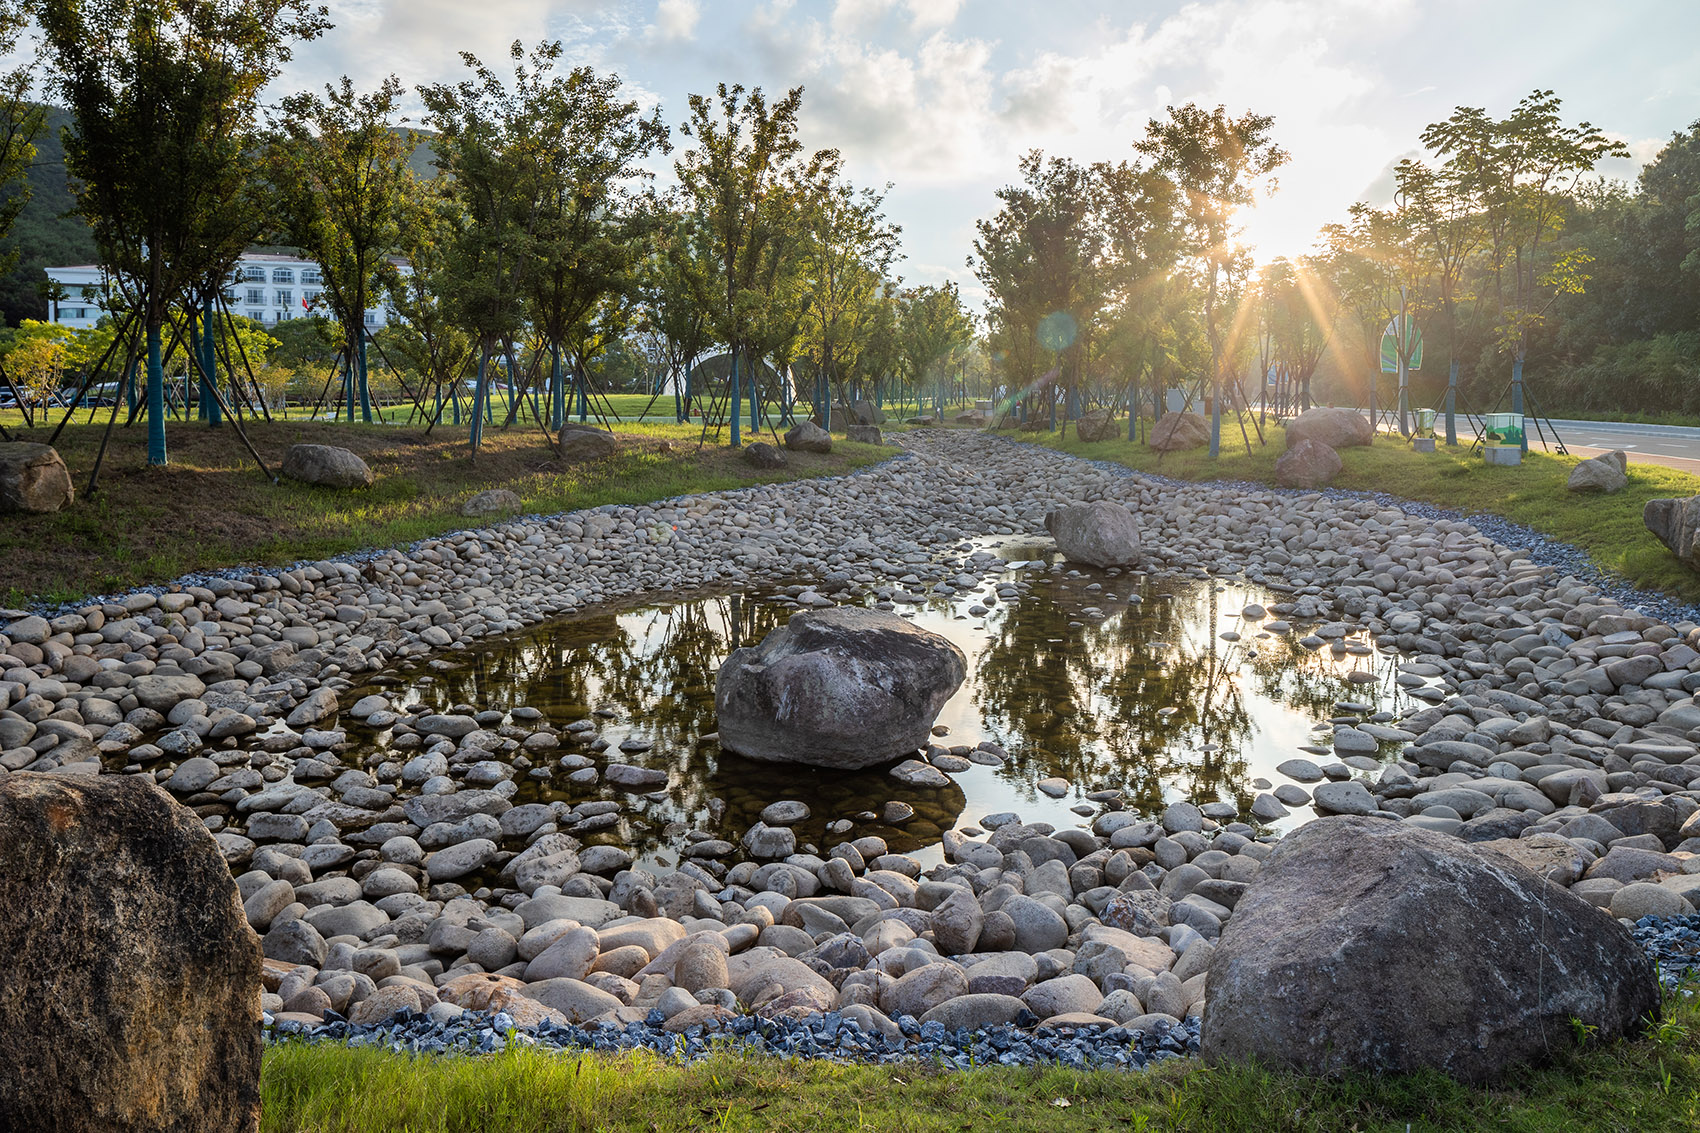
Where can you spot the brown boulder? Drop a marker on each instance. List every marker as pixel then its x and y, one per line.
pixel 1176 431
pixel 33 478
pixel 133 1000
pixel 1336 428
pixel 581 442
pixel 763 455
pixel 1366 944
pixel 1607 473
pixel 1308 464
pixel 1098 425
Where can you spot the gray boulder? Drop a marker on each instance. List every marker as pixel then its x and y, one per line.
pixel 806 436
pixel 33 478
pixel 494 501
pixel 1176 431
pixel 1677 524
pixel 866 413
pixel 846 687
pixel 579 443
pixel 1336 428
pixel 763 455
pixel 1608 473
pixel 327 466
pixel 1100 534
pixel 1365 944
pixel 864 434
pixel 1308 464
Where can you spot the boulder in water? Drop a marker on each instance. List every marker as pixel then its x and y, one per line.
pixel 1100 534
pixel 846 688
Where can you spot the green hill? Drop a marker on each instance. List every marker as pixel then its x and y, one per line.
pixel 45 234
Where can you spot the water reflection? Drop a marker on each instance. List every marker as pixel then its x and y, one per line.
pixel 1106 679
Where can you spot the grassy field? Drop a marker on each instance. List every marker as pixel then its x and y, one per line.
pixel 211 507
pixel 1609 528
pixel 1650 1084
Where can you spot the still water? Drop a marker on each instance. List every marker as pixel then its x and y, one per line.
pixel 1108 680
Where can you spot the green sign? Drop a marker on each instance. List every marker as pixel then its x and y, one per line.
pixel 1390 347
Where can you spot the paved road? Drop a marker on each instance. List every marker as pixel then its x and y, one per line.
pixel 1675 446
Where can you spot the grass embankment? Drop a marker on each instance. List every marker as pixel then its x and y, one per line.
pixel 1608 528
pixel 211 507
pixel 1653 1083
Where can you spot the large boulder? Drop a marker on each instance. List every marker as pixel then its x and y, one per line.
pixel 1176 431
pixel 327 466
pixel 864 434
pixel 1607 473
pixel 1336 428
pixel 865 413
pixel 33 478
pixel 806 436
pixel 1677 524
pixel 1097 425
pixel 846 687
pixel 132 997
pixel 1100 534
pixel 1308 464
pixel 1367 944
pixel 578 443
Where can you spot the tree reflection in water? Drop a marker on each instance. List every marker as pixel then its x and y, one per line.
pixel 1126 686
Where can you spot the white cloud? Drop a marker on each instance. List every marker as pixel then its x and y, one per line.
pixel 676 19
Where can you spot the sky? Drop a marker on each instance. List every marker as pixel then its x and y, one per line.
pixel 940 98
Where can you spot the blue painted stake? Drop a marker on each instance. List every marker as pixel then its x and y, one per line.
pixel 734 401
pixel 156 399
pixel 754 395
pixel 557 395
pixel 1216 425
pixel 1452 404
pixel 199 356
pixel 365 391
pixel 209 367
pixel 478 397
pixel 583 401
pixel 1517 395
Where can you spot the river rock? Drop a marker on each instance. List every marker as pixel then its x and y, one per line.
pixel 1491 964
pixel 806 436
pixel 33 478
pixel 327 466
pixel 1308 464
pixel 1334 428
pixel 134 992
pixel 847 687
pixel 1176 431
pixel 1607 473
pixel 1100 534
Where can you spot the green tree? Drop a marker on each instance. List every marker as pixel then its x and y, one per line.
pixel 426 334
pixel 933 330
pixel 339 168
pixel 1220 166
pixel 741 177
pixel 165 97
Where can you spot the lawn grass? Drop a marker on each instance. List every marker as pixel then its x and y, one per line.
pixel 1652 1083
pixel 211 507
pixel 1608 528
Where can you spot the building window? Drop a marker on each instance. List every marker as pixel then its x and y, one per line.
pixel 286 298
pixel 311 275
pixel 282 275
pixel 283 316
pixel 256 296
pixel 312 297
pixel 371 318
pixel 253 275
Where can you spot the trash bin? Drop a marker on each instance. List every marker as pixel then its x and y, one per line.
pixel 1503 429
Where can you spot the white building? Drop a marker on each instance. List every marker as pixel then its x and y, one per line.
pixel 267 287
